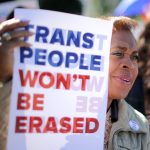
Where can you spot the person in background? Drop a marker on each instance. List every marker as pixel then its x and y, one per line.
pixel 125 127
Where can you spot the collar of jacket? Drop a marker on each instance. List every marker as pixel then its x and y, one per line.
pixel 126 114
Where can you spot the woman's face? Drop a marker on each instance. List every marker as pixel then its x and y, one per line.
pixel 123 68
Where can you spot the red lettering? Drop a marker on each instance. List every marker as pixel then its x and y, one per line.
pixel 48 79
pixel 51 125
pixel 65 82
pixel 28 78
pixel 51 80
pixel 21 124
pixel 35 123
pixel 37 101
pixel 23 101
pixel 78 125
pixel 65 125
pixel 83 78
pixel 95 123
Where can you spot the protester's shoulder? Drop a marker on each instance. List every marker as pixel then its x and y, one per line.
pixel 133 113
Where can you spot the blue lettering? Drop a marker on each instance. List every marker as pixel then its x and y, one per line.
pixel 40 55
pixel 41 33
pixel 73 38
pixel 70 58
pixel 52 58
pixel 87 38
pixel 25 52
pixel 57 37
pixel 95 62
pixel 82 66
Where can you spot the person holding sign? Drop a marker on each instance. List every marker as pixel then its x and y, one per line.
pixel 129 129
pixel 125 127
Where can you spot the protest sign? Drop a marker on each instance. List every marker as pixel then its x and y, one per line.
pixel 60 83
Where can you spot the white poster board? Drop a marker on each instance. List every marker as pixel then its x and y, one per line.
pixel 60 84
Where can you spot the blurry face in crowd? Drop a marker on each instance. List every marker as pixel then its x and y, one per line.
pixel 123 68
